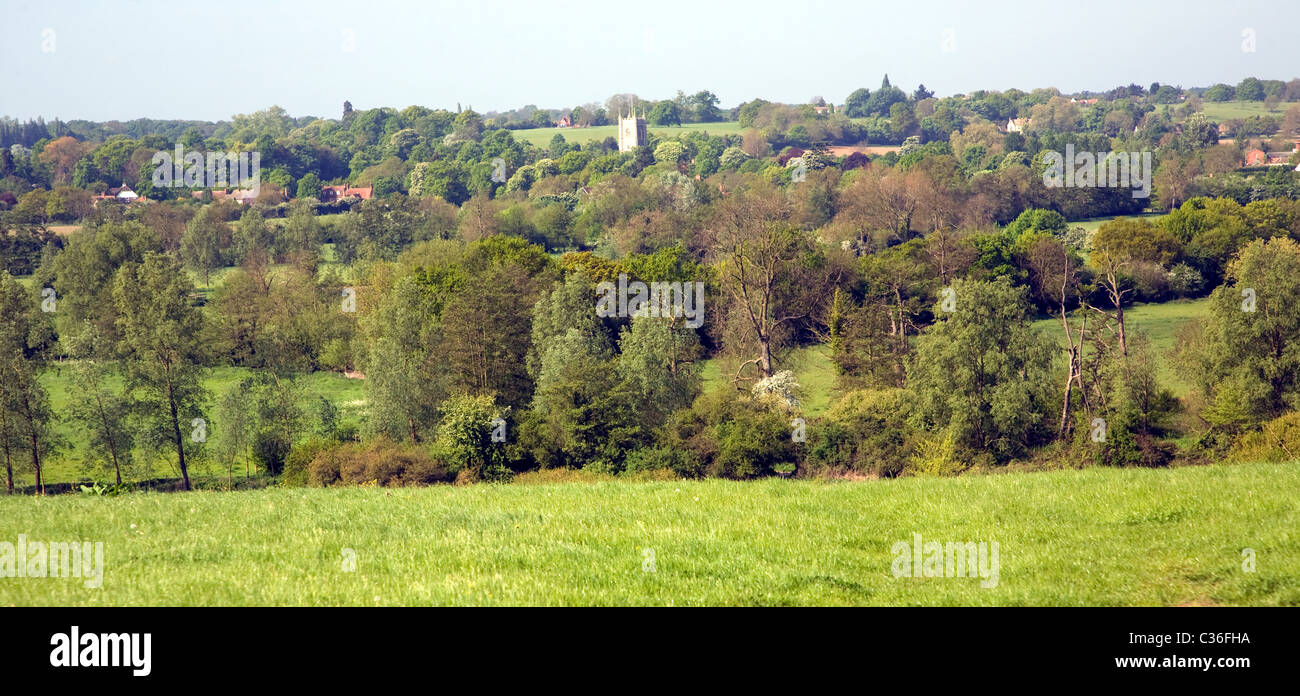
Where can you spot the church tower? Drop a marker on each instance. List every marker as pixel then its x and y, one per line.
pixel 632 133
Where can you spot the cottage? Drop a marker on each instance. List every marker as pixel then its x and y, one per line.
pixel 122 194
pixel 329 194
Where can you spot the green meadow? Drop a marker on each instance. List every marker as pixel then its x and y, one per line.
pixel 1089 537
pixel 1159 323
pixel 541 137
pixel 68 464
pixel 1223 111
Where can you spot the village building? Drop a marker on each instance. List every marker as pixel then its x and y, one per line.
pixel 632 133
pixel 122 194
pixel 329 194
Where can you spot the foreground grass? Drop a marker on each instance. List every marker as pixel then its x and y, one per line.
pixel 1090 537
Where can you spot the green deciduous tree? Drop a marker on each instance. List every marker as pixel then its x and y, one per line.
pixel 161 353
pixel 26 418
pixel 981 372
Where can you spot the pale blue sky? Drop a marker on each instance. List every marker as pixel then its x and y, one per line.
pixel 126 59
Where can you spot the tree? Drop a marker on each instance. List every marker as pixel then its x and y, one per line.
pixel 309 186
pixel 705 104
pixel 657 361
pixel 276 420
pixel 61 155
pixel 486 332
pixel 253 242
pixel 302 231
pixel 772 275
pixel 233 428
pixel 902 120
pixel 669 152
pixel 1252 342
pixel 1219 93
pixel 201 245
pixel 855 105
pixel 26 419
pixel 981 372
pixel 581 415
pixel 406 378
pixel 665 113
pixel 100 411
pixel 84 271
pixel 161 352
pixel 1054 272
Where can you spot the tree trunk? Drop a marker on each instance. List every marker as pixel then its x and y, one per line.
pixel 31 436
pixel 108 436
pixel 176 432
pixel 765 356
pixel 4 441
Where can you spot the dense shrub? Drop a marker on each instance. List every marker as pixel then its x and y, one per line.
pixel 680 462
pixel 867 432
pixel 1276 440
pixel 1129 444
pixel 379 462
pixel 296 466
pixel 733 436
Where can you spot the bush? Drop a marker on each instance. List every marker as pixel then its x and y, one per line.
pixel 380 462
pixel 680 462
pixel 732 436
pixel 831 447
pixel 753 442
pixel 876 421
pixel 466 438
pixel 936 457
pixel 1277 440
pixel 297 464
pixel 1129 445
pixel 270 451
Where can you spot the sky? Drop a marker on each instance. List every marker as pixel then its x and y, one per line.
pixel 124 59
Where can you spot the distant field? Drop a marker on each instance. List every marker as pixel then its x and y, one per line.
pixel 66 466
pixel 541 137
pixel 1099 536
pixel 815 372
pixel 1091 224
pixel 1160 323
pixel 812 368
pixel 1223 111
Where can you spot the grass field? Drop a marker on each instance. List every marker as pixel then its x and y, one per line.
pixel 1223 111
pixel 1091 224
pixel 812 368
pixel 816 374
pixel 1160 323
pixel 1091 537
pixel 541 137
pixel 66 465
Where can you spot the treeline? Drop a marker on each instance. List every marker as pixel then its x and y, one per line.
pixel 458 155
pixel 484 355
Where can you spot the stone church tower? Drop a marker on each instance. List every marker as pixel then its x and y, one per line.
pixel 632 133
